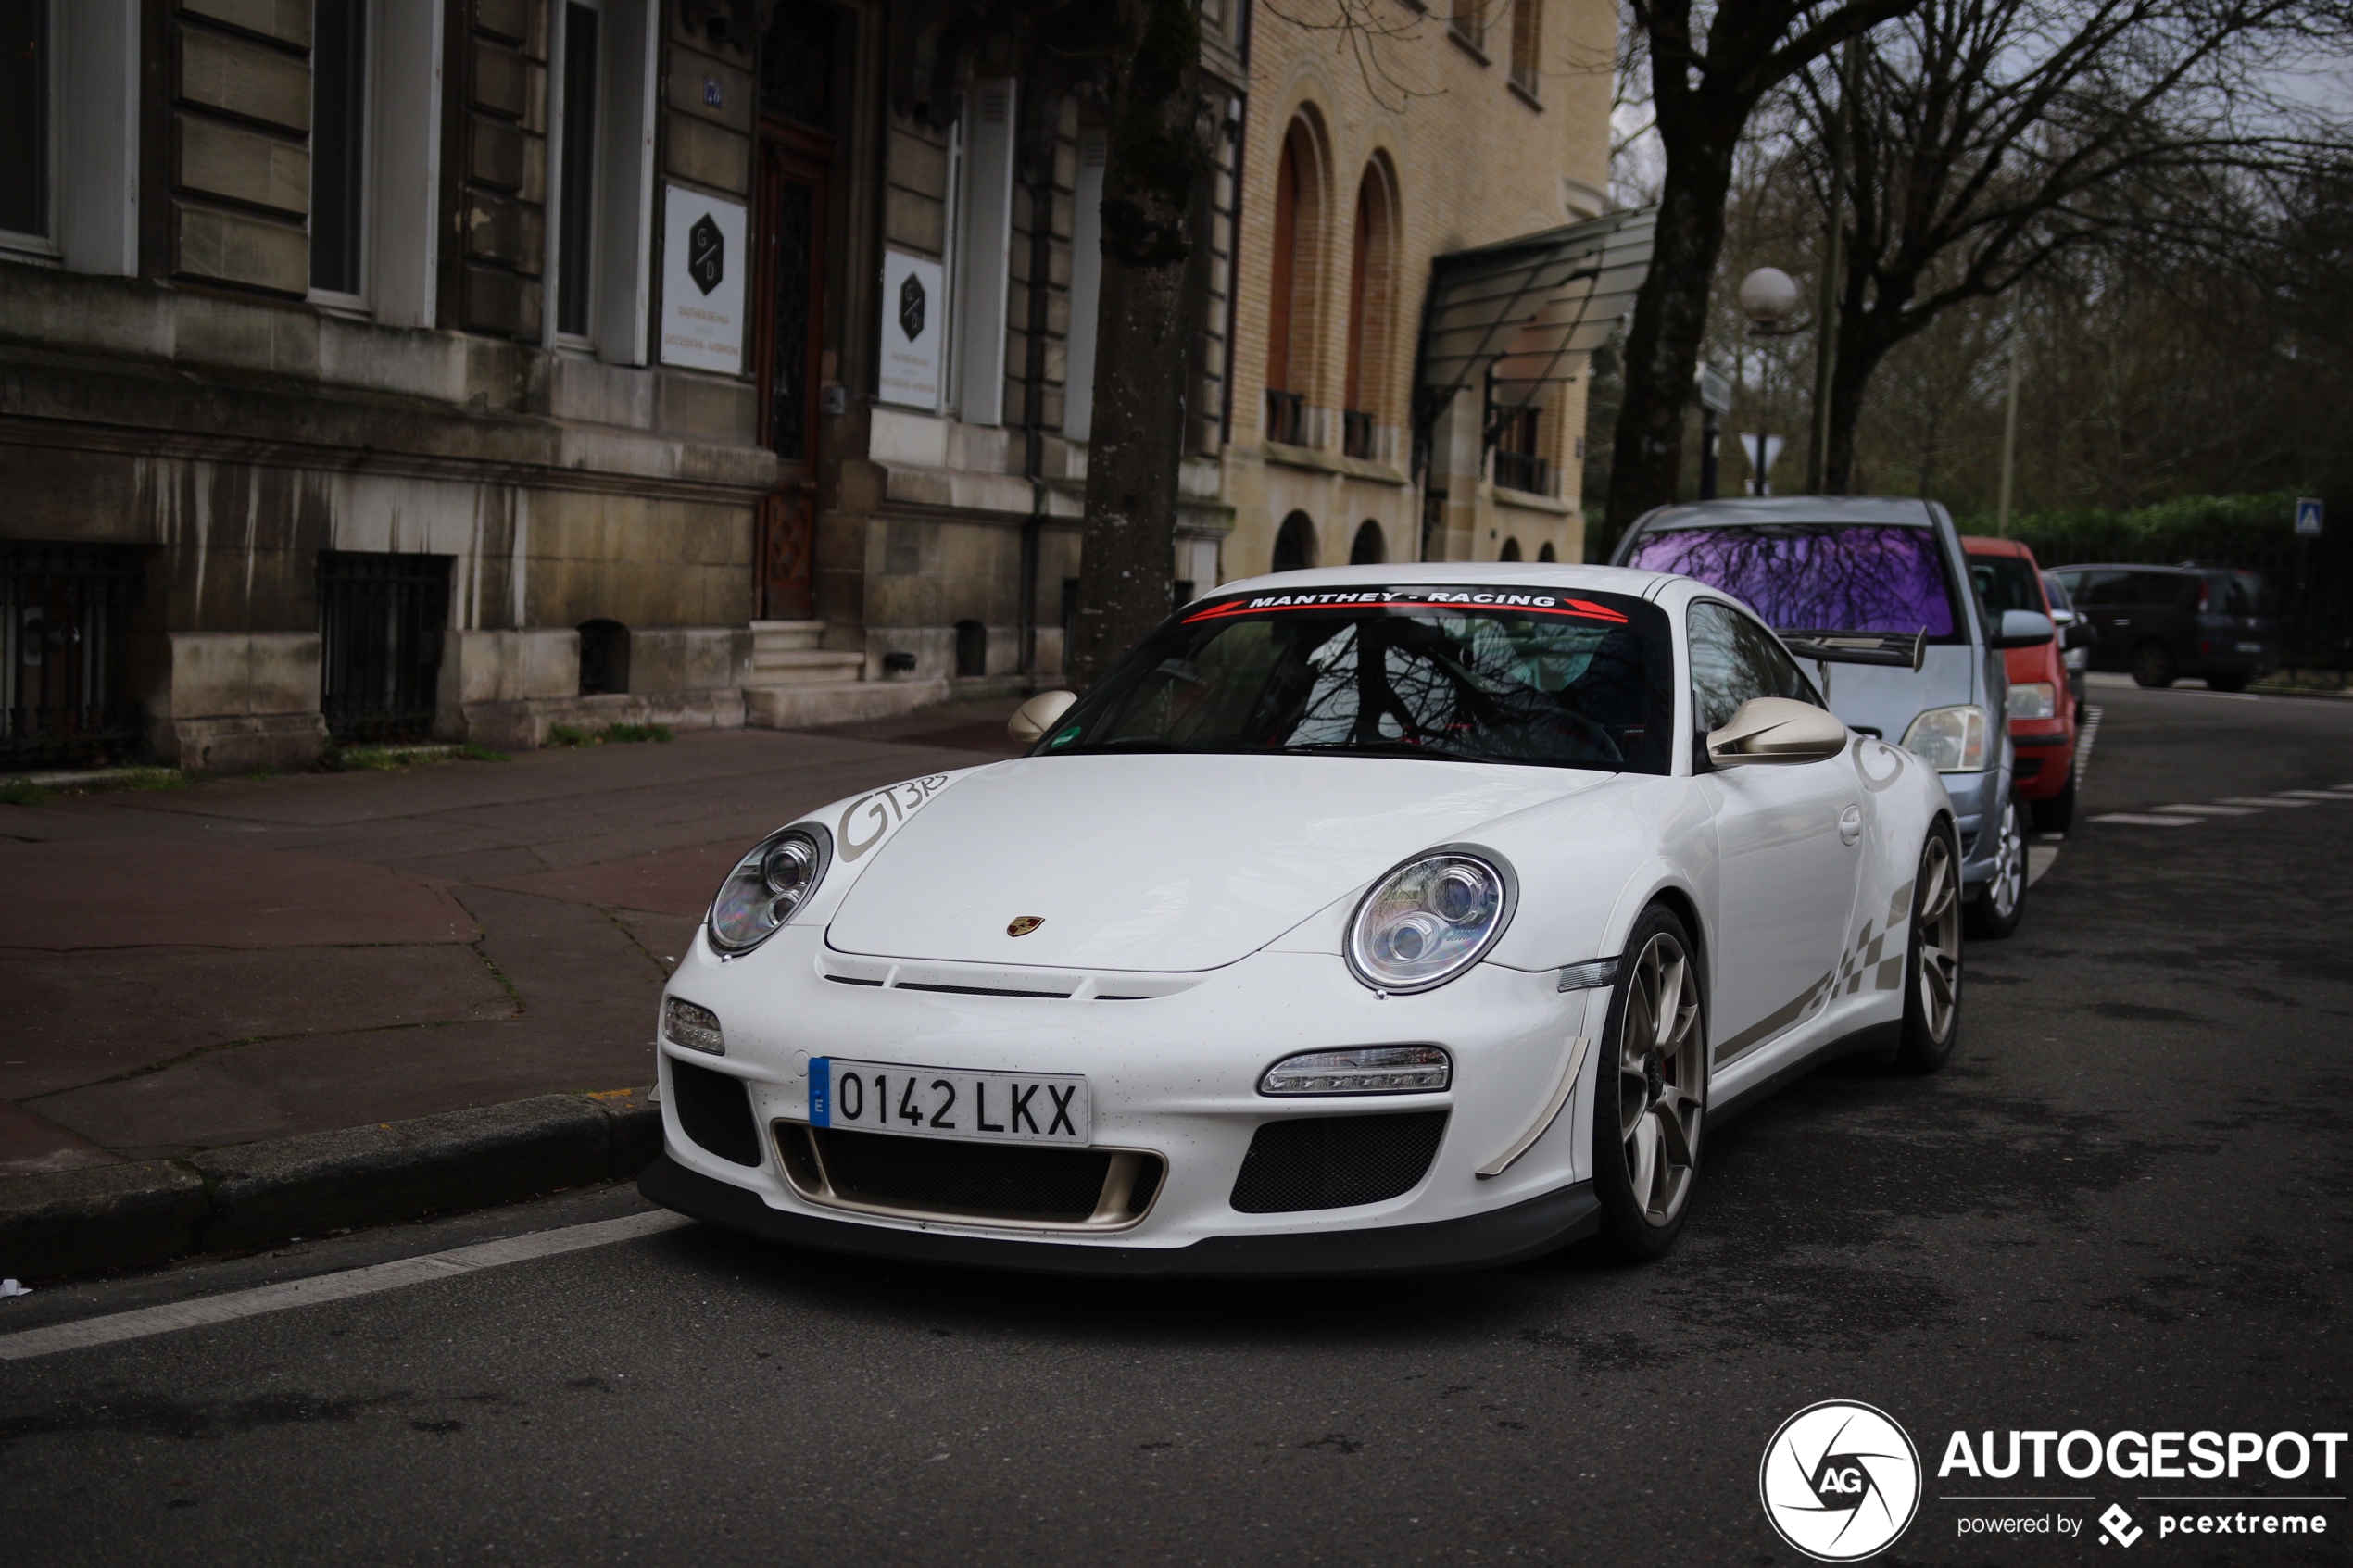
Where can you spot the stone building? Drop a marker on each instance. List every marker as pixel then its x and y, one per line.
pixel 379 369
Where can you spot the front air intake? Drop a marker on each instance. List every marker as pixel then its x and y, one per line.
pixel 1336 1161
pixel 715 1112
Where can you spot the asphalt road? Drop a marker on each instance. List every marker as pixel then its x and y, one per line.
pixel 2123 1205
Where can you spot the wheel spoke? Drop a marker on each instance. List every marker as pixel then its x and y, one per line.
pixel 1633 1099
pixel 1644 1174
pixel 1670 1003
pixel 1672 1129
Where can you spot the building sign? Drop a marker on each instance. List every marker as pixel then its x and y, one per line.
pixel 702 281
pixel 912 302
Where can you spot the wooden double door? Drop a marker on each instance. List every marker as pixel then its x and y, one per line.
pixel 795 163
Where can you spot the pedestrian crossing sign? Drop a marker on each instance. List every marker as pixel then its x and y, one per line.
pixel 2308 518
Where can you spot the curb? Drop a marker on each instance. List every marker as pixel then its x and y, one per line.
pixel 114 1217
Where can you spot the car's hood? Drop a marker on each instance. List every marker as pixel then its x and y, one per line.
pixel 1158 862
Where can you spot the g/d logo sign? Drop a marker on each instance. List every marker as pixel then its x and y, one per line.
pixel 1839 1481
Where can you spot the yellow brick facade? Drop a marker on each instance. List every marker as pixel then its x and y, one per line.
pixel 1472 145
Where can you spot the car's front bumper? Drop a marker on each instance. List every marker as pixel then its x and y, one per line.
pixel 1527 1229
pixel 1978 800
pixel 1171 1078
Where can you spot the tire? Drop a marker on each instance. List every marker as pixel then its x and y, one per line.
pixel 1993 913
pixel 1933 959
pixel 1649 1103
pixel 2226 683
pixel 2153 666
pixel 2058 813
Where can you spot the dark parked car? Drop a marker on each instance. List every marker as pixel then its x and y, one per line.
pixel 2162 622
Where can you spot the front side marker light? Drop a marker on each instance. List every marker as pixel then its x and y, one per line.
pixel 1367 1070
pixel 697 1028
pixel 1587 975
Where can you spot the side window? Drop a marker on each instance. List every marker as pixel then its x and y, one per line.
pixel 1735 661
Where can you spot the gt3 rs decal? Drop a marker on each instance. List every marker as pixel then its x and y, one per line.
pixel 1877 750
pixel 869 819
pixel 1527 601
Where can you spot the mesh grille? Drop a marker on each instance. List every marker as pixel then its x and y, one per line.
pixel 963 1178
pixel 1334 1161
pixel 714 1110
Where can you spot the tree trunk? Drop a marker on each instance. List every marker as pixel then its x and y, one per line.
pixel 1670 314
pixel 1157 156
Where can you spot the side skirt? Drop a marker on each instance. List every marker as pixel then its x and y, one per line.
pixel 1861 1042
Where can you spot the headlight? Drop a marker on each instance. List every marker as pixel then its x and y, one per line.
pixel 1367 1070
pixel 1429 920
pixel 766 886
pixel 1951 740
pixel 2033 699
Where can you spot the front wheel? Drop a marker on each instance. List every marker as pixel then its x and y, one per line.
pixel 2153 665
pixel 1933 960
pixel 1651 1091
pixel 1993 912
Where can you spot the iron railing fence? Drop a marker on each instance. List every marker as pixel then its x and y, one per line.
pixel 1523 471
pixel 1285 417
pixel 381 619
pixel 65 694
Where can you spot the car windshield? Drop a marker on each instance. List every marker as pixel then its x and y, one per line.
pixel 2004 583
pixel 1817 577
pixel 1552 677
pixel 2055 587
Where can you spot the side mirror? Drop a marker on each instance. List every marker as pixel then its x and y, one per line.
pixel 2079 633
pixel 2024 629
pixel 1777 729
pixel 1033 719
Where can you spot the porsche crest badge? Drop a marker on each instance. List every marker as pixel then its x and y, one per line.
pixel 1024 924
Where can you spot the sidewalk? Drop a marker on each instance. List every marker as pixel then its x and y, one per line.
pixel 262 958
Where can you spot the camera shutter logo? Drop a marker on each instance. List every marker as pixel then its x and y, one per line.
pixel 1839 1481
pixel 706 253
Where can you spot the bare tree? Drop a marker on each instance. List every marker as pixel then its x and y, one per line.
pixel 1710 69
pixel 1993 138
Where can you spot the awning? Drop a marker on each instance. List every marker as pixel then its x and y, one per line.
pixel 1527 310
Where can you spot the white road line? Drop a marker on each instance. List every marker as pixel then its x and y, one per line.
pixel 2216 811
pixel 2085 734
pixel 2140 820
pixel 2261 800
pixel 2318 794
pixel 30 1342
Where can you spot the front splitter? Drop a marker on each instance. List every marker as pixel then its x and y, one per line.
pixel 1527 1229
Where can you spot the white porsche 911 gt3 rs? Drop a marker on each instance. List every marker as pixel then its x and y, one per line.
pixel 1363 919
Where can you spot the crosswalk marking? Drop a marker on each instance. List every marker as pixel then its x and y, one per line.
pixel 2262 801
pixel 2217 810
pixel 2140 818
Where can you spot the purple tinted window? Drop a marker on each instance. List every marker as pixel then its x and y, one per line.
pixel 1815 577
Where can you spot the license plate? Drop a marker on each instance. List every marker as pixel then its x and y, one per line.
pixel 2250 647
pixel 941 1102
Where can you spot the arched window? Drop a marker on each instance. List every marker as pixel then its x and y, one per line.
pixel 1510 551
pixel 1368 549
pixel 604 657
pixel 1546 553
pixel 1368 310
pixel 1290 291
pixel 1295 545
pixel 972 648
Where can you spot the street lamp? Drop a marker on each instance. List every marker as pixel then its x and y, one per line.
pixel 1767 295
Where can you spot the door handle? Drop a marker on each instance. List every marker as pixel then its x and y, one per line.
pixel 1850 825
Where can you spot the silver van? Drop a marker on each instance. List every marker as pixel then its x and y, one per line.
pixel 1874 594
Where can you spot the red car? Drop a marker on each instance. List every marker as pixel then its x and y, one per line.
pixel 2042 705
